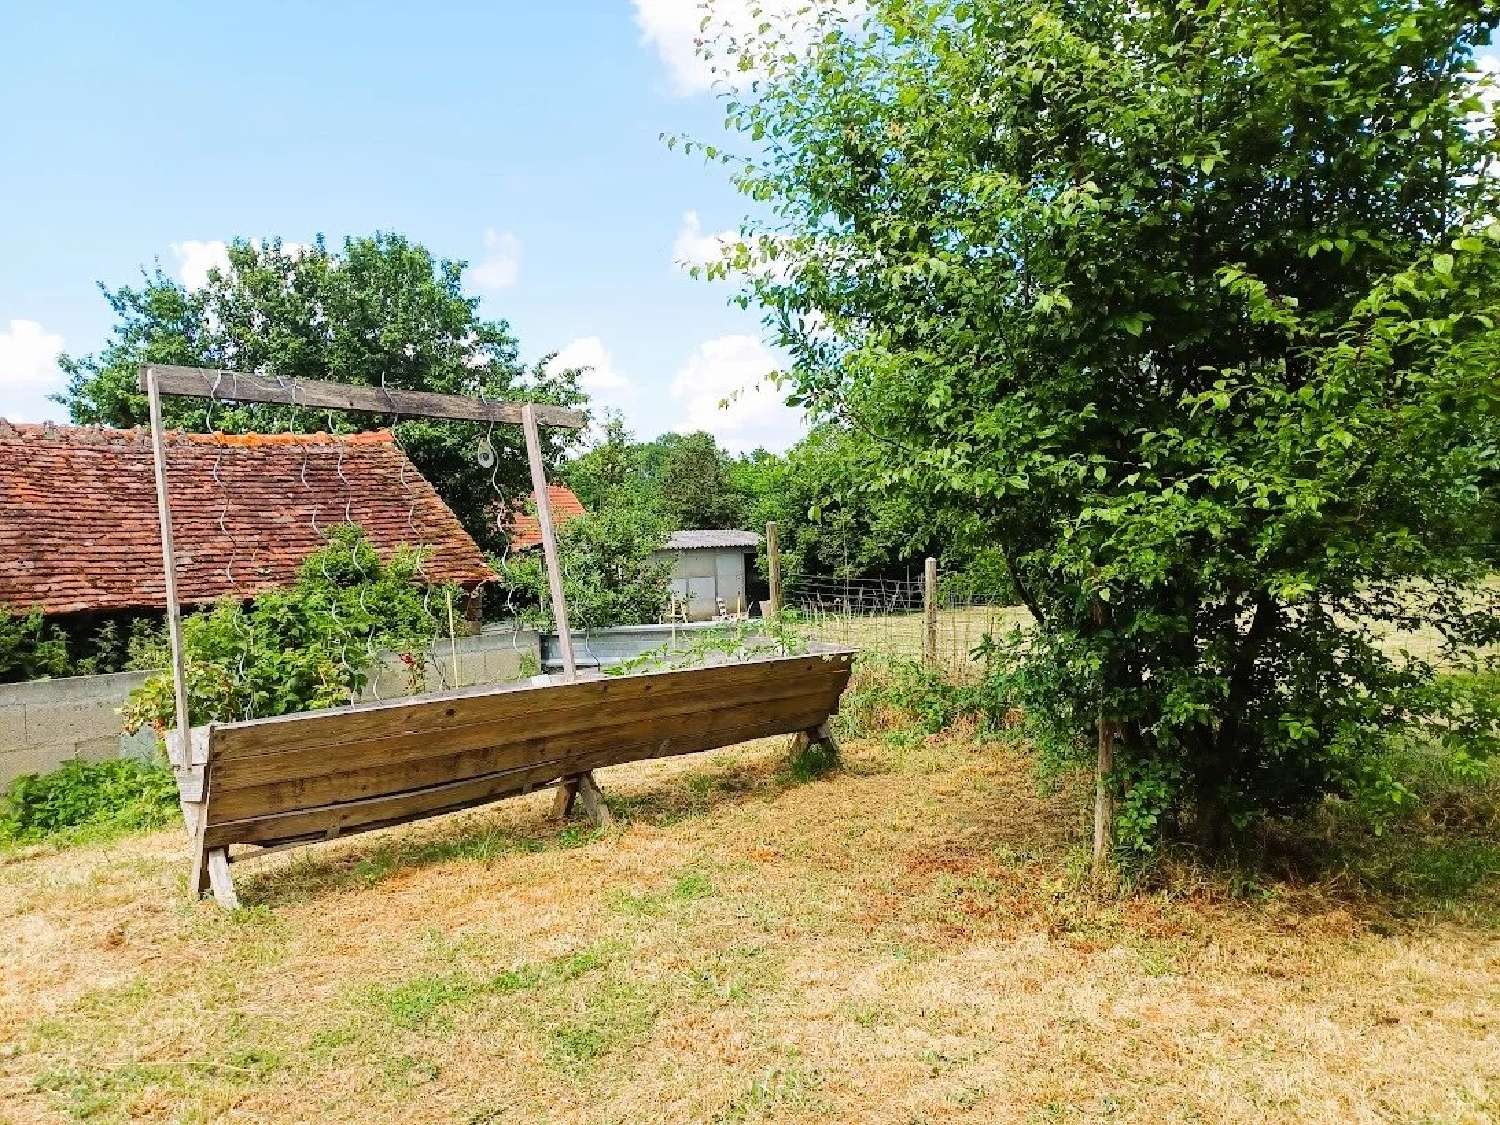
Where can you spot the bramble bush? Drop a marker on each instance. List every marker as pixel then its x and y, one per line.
pixel 609 574
pixel 87 800
pixel 309 645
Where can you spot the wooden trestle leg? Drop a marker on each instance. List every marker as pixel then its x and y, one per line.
pixel 820 735
pixel 582 786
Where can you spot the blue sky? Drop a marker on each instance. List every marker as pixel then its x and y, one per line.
pixel 522 137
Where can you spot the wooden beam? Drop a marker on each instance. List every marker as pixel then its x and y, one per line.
pixel 593 801
pixel 179 746
pixel 233 386
pixel 549 541
pixel 562 800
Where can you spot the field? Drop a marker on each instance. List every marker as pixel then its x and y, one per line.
pixel 900 940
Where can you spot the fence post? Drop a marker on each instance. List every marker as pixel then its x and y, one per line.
pixel 929 609
pixel 773 565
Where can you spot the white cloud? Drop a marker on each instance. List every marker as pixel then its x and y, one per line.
pixel 607 386
pixel 29 373
pixel 675 28
pixel 195 258
pixel 1489 69
pixel 589 352
pixel 500 268
pixel 724 388
pixel 692 247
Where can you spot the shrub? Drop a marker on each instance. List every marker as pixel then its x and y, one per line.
pixel 310 645
pixel 30 647
pixel 87 800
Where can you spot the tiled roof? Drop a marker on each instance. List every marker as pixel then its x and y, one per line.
pixel 78 523
pixel 526 530
pixel 702 538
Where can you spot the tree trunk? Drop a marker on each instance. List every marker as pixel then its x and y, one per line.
pixel 1104 803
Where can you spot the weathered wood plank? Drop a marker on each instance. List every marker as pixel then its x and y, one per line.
pixel 341 754
pixel 231 386
pixel 177 749
pixel 220 880
pixel 443 798
pixel 593 801
pixel 562 802
pixel 492 703
pixel 549 540
pixel 511 749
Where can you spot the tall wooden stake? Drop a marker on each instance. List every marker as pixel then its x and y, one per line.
pixel 929 609
pixel 1104 803
pixel 1104 795
pixel 177 750
pixel 773 565
pixel 549 540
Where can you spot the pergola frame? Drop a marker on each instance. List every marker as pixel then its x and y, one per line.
pixel 230 386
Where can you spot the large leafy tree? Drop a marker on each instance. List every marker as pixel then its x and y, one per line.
pixel 1189 309
pixel 378 311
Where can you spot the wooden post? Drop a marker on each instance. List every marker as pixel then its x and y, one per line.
pixel 582 783
pixel 773 566
pixel 930 611
pixel 549 540
pixel 1104 802
pixel 177 750
pixel 1104 796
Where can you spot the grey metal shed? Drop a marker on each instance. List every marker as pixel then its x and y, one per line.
pixel 709 566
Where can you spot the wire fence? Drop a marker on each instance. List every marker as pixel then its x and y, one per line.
pixel 891 617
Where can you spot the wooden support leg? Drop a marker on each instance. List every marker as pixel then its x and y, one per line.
pixel 198 873
pixel 814 737
pixel 562 803
pixel 593 801
pixel 824 733
pixel 218 878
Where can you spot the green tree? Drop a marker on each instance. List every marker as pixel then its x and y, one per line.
pixel 1191 309
pixel 379 311
pixel 691 476
pixel 610 574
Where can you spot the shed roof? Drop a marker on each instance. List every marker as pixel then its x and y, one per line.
pixel 78 522
pixel 708 538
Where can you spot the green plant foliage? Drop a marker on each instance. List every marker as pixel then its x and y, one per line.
pixel 609 574
pixel 30 647
pixel 87 800
pixel 309 645
pixel 898 693
pixel 377 311
pixel 34 647
pixel 1189 312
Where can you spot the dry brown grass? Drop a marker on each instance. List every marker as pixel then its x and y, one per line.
pixel 899 941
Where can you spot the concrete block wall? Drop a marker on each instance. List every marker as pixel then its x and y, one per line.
pixel 46 722
pixel 494 656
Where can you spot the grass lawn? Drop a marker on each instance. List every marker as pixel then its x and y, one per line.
pixel 898 941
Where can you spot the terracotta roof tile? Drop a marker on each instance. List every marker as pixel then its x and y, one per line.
pixel 78 524
pixel 526 530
